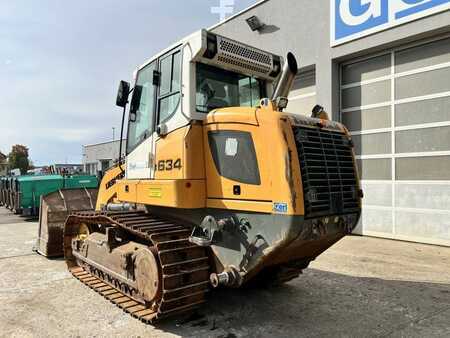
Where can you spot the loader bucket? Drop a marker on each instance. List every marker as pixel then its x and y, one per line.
pixel 54 209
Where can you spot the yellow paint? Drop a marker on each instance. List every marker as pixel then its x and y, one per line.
pixel 255 206
pixel 186 145
pixel 156 192
pixel 197 184
pixel 276 155
pixel 127 191
pixel 107 191
pixel 186 194
pixel 243 115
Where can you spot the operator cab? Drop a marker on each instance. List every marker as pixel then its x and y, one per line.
pixel 184 83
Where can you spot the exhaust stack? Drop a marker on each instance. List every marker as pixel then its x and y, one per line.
pixel 284 84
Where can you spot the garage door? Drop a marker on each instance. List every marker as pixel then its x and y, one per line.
pixel 397 107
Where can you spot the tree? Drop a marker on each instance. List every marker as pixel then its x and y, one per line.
pixel 18 158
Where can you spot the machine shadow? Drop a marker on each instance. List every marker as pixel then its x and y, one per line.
pixel 30 219
pixel 318 303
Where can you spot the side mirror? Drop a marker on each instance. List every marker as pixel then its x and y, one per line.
pixel 122 94
pixel 135 100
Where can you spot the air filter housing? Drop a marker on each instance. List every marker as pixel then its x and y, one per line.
pixel 232 55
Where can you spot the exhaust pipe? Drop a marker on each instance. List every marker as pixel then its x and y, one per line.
pixel 284 84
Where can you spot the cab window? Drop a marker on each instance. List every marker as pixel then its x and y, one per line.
pixel 170 88
pixel 142 108
pixel 219 88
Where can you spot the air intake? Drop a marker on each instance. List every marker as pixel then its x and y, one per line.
pixel 246 59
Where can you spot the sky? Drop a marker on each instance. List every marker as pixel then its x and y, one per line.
pixel 61 62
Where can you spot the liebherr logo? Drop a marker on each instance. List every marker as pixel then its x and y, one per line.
pixel 351 19
pixel 225 7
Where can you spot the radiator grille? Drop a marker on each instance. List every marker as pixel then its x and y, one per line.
pixel 328 172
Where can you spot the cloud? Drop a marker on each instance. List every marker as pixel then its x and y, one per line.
pixel 77 135
pixel 65 59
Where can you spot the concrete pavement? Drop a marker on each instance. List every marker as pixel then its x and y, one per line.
pixel 360 287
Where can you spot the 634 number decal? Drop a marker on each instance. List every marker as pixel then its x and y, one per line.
pixel 167 165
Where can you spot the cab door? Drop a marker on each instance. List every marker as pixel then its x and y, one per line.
pixel 141 125
pixel 155 100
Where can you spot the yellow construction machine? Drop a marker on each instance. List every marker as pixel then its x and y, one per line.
pixel 219 186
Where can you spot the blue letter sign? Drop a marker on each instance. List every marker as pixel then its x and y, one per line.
pixel 352 19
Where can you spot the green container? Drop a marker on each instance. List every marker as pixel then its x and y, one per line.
pixel 80 181
pixel 27 190
pixel 31 188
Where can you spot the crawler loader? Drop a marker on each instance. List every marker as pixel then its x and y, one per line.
pixel 219 187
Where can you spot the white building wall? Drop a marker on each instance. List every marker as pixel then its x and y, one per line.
pixel 101 156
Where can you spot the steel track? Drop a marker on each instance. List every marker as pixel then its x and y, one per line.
pixel 184 266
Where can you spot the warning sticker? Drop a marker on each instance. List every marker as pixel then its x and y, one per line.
pixel 156 192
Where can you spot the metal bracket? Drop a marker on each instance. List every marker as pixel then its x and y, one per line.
pixel 208 232
pixel 198 237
